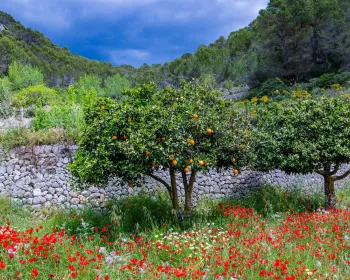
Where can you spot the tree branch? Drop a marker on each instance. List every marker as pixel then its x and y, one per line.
pixel 192 179
pixel 321 172
pixel 184 179
pixel 160 180
pixel 347 173
pixel 335 169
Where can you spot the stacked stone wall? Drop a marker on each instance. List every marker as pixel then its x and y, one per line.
pixel 38 177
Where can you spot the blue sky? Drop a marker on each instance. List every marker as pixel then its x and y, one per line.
pixel 133 31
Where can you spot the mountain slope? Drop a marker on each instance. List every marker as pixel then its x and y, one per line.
pixel 59 65
pixel 291 39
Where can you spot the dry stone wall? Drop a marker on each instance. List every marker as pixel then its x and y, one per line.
pixel 38 177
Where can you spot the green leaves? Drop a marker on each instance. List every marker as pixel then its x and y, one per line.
pixel 302 136
pixel 38 95
pixel 23 76
pixel 151 129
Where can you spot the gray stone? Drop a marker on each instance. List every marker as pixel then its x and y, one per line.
pixel 61 199
pixel 49 183
pixel 59 190
pixel 75 201
pixel 37 192
pixel 39 200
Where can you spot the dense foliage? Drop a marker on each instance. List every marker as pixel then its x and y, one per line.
pixel 59 65
pixel 305 136
pixel 178 130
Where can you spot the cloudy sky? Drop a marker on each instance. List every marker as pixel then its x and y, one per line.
pixel 133 31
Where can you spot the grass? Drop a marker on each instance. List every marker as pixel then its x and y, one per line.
pixel 22 136
pixel 138 238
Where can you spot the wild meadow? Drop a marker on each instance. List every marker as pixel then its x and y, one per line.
pixel 269 234
pixel 274 95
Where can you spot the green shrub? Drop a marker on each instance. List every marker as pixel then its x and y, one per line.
pixel 22 136
pixel 342 78
pixel 329 79
pixel 114 86
pixel 23 76
pixel 89 82
pixel 269 87
pixel 142 212
pixel 5 98
pixel 67 117
pixel 38 95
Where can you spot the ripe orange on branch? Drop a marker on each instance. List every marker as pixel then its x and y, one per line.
pixel 174 162
pixel 114 137
pixel 209 132
pixel 148 154
pixel 235 172
pixel 195 116
pixel 201 162
pixel 233 160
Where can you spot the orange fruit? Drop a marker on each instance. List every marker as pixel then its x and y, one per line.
pixel 201 162
pixel 148 154
pixel 174 162
pixel 233 160
pixel 125 137
pixel 206 164
pixel 195 116
pixel 114 137
pixel 163 139
pixel 235 172
pixel 103 107
pixel 130 185
pixel 209 131
pixel 192 142
pixel 187 169
pixel 188 140
pixel 190 161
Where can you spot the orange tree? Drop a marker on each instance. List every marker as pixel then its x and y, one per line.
pixel 182 131
pixel 303 136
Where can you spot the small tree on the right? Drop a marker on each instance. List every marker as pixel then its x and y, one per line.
pixel 305 136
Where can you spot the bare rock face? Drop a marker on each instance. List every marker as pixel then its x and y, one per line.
pixel 236 93
pixel 2 27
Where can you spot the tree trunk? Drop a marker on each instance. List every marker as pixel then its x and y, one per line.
pixel 331 199
pixel 167 186
pixel 189 190
pixel 188 201
pixel 174 196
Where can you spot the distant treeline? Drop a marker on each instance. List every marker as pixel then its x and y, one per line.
pixel 294 40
